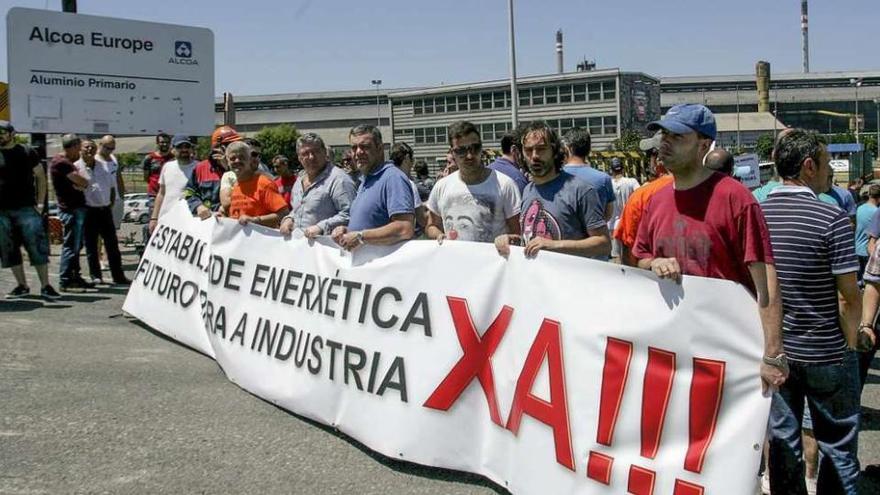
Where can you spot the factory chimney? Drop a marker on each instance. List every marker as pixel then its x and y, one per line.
pixel 762 70
pixel 559 66
pixel 806 37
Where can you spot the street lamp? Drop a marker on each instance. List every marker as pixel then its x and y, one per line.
pixel 856 82
pixel 877 144
pixel 377 83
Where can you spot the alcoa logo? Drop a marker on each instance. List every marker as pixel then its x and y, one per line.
pixel 183 49
pixel 183 53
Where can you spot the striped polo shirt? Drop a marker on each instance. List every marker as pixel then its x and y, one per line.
pixel 812 242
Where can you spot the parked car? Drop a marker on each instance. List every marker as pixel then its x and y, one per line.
pixel 137 210
pixel 133 196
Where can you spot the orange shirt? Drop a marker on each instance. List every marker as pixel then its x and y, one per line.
pixel 628 226
pixel 258 196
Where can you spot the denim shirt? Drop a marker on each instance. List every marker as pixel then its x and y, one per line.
pixel 325 203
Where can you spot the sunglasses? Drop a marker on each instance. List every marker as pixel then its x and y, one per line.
pixel 109 148
pixel 464 150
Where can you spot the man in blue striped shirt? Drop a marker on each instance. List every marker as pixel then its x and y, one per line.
pixel 813 247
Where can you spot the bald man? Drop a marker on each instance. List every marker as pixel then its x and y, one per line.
pixel 720 160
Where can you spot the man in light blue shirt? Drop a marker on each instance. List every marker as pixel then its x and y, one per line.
pixel 383 211
pixel 577 148
pixel 864 214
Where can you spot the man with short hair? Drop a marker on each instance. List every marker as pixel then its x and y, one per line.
pixel 106 147
pixel 813 246
pixel 99 196
pixel 623 188
pixel 174 178
pixel 321 199
pixel 709 225
pixel 577 143
pixel 255 199
pixel 402 156
pixel 22 194
pixel 474 203
pixel 423 180
pixel 154 161
pixel 631 216
pixel 720 160
pixel 507 163
pixel 285 178
pixel 69 186
pixel 383 211
pixel 560 212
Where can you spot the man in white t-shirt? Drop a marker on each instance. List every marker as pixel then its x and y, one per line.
pixel 474 203
pixel 172 181
pixel 106 146
pixel 623 187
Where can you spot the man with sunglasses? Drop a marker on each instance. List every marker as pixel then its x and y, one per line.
pixel 175 175
pixel 474 203
pixel 383 211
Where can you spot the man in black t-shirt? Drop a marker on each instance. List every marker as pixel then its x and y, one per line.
pixel 22 194
pixel 69 186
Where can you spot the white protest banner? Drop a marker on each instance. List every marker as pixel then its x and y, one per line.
pixel 548 375
pixel 88 74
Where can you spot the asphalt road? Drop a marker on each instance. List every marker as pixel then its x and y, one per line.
pixel 92 402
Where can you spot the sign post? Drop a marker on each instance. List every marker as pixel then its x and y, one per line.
pixel 99 75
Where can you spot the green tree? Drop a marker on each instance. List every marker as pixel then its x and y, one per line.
pixel 764 146
pixel 628 141
pixel 203 148
pixel 278 140
pixel 128 160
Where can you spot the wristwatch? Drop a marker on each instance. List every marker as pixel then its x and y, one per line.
pixel 360 237
pixel 780 361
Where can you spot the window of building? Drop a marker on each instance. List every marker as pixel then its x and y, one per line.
pixel 440 135
pixel 608 89
pixel 611 124
pixel 594 90
pixel 429 105
pixel 551 95
pixel 474 102
pixel 418 107
pixel 580 92
pixel 537 96
pixel 565 94
pixel 565 125
pixel 487 132
pixel 524 97
pixel 419 136
pixel 486 101
pixel 595 125
pixel 462 103
pixel 581 122
pixel 498 97
pixel 440 105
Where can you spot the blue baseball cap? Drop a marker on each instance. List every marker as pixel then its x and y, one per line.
pixel 687 118
pixel 180 139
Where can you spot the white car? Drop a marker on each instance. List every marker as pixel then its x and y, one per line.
pixel 134 196
pixel 136 210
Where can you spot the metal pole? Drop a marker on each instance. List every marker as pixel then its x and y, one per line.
pixel 737 120
pixel 857 113
pixel 514 95
pixel 377 83
pixel 877 144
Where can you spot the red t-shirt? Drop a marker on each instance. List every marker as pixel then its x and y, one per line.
pixel 285 185
pixel 715 229
pixel 258 196
pixel 153 164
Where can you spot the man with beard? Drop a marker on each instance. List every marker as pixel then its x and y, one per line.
pixel 560 212
pixel 383 211
pixel 154 161
pixel 474 203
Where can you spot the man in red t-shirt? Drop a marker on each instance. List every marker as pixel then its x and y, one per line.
pixel 285 176
pixel 709 225
pixel 153 162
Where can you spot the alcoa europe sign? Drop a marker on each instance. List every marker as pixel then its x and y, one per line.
pixel 88 74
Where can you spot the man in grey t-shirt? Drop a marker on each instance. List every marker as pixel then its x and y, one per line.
pixel 559 211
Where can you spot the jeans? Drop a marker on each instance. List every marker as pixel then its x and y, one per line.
pixel 74 227
pixel 832 393
pixel 99 222
pixel 22 227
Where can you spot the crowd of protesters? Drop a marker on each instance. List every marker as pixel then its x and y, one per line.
pixel 798 244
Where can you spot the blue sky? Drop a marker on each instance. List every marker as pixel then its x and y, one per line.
pixel 274 46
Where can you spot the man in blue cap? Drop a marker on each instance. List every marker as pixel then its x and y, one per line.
pixel 709 225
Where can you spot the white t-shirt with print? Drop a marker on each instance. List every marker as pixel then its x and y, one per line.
pixel 476 212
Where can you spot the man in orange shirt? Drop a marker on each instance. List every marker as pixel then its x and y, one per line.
pixel 628 226
pixel 255 197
